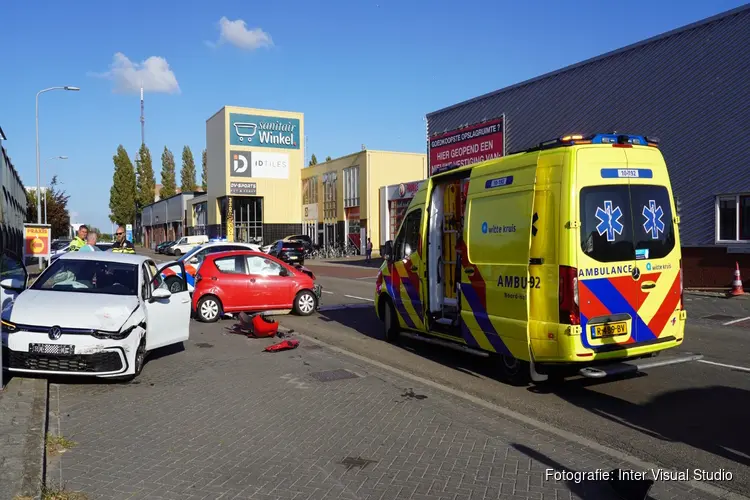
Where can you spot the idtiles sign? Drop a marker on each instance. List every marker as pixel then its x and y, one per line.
pixel 263 131
pixel 258 165
pixel 472 144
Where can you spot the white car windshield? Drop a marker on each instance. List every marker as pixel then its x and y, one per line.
pixel 89 276
pixel 189 253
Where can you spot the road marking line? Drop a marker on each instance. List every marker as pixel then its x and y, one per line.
pixel 636 462
pixel 360 298
pixel 734 367
pixel 367 278
pixel 341 307
pixel 736 321
pixel 326 291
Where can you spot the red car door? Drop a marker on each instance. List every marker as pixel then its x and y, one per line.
pixel 268 288
pixel 233 283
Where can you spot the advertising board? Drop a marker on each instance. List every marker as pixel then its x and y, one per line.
pixel 472 144
pixel 243 188
pixel 258 165
pixel 264 131
pixel 310 212
pixel 36 240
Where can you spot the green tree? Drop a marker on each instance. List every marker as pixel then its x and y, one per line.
pixel 58 215
pixel 187 174
pixel 145 182
pixel 328 158
pixel 204 174
pixel 168 179
pixel 122 195
pixel 313 160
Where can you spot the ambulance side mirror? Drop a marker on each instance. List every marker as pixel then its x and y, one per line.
pixel 387 251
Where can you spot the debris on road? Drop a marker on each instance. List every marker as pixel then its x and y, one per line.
pixel 284 345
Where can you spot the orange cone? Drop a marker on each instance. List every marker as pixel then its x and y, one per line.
pixel 737 283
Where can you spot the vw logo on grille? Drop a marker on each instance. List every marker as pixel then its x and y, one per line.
pixel 636 273
pixel 55 332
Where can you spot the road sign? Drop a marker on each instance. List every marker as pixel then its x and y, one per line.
pixel 37 238
pixel 129 232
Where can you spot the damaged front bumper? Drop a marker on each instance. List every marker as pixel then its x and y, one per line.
pixel 71 354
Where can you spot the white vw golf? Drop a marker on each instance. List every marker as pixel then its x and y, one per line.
pixel 95 313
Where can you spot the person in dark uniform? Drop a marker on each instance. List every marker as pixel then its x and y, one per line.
pixel 121 244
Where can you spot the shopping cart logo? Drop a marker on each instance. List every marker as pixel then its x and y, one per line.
pixel 246 131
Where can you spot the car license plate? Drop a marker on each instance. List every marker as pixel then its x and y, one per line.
pixel 609 330
pixel 292 257
pixel 55 349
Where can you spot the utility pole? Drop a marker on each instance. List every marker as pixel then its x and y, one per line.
pixel 143 120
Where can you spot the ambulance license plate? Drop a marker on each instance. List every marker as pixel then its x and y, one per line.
pixel 609 330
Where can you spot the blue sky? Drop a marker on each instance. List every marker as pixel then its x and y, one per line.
pixel 363 72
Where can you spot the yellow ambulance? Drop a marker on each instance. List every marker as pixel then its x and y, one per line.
pixel 564 256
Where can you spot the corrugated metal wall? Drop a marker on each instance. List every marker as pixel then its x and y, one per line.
pixel 691 89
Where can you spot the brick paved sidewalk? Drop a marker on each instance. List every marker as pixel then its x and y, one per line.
pixel 222 419
pixel 22 424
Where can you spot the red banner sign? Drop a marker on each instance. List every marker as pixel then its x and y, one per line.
pixel 465 146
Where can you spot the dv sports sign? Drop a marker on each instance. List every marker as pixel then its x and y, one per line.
pixel 36 239
pixel 472 144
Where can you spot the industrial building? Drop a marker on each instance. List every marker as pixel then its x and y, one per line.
pixel 341 197
pixel 688 87
pixel 166 220
pixel 254 159
pixel 12 204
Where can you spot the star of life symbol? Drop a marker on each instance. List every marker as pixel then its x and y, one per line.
pixel 653 215
pixel 609 220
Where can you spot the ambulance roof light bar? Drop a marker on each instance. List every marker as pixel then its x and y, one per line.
pixel 615 139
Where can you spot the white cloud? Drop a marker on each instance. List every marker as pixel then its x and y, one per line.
pixel 236 33
pixel 154 74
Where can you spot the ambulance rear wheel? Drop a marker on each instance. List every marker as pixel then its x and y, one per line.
pixel 390 323
pixel 516 371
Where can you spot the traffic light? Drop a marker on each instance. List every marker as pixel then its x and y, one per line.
pixel 678 207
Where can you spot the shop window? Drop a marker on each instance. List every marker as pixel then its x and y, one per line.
pixel 329 194
pixel 733 218
pixel 310 190
pixel 351 187
pixel 248 219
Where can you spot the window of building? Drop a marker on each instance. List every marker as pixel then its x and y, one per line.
pixel 351 187
pixel 310 190
pixel 329 195
pixel 248 219
pixel 733 218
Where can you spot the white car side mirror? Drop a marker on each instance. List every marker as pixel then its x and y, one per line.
pixel 194 260
pixel 161 293
pixel 12 284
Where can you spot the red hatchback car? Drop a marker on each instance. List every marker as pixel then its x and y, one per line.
pixel 247 281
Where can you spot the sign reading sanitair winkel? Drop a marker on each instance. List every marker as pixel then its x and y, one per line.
pixel 263 131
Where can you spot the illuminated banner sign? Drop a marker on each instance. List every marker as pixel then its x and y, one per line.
pixel 473 144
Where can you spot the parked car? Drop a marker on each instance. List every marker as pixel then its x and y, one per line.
pixel 302 238
pixel 193 259
pixel 247 281
pixel 90 313
pixel 104 245
pixel 186 243
pixel 162 247
pixel 292 252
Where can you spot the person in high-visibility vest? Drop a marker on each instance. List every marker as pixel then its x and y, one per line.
pixel 121 244
pixel 80 240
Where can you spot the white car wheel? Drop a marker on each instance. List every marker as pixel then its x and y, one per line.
pixel 209 309
pixel 305 303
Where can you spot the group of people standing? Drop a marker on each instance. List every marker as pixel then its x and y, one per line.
pixel 85 241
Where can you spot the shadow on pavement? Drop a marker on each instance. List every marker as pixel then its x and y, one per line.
pixel 703 418
pixel 375 263
pixel 711 416
pixel 599 489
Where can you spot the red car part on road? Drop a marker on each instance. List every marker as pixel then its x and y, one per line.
pixel 248 281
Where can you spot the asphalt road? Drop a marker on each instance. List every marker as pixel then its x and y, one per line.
pixel 691 415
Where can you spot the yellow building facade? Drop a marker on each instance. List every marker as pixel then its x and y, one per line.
pixel 341 198
pixel 254 161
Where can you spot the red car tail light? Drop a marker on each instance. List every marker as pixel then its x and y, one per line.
pixel 569 312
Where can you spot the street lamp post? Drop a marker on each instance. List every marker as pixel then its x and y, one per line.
pixel 38 168
pixel 45 188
